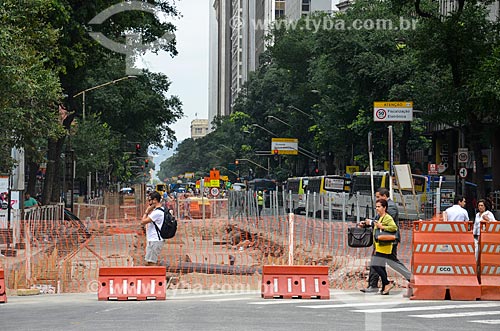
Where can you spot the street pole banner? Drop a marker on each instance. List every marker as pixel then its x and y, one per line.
pixel 4 184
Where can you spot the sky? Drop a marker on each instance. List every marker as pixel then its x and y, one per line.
pixel 188 71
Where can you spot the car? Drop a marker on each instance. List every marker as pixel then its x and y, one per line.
pixel 127 191
pixel 239 187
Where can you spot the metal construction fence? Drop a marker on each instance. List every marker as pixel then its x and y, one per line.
pixel 358 206
pixel 224 251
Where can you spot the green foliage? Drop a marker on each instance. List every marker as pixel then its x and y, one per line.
pixel 45 52
pixel 98 150
pixel 321 84
pixel 30 87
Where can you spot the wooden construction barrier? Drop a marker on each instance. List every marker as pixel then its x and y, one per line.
pixel 295 282
pixel 3 295
pixel 489 260
pixel 132 283
pixel 443 262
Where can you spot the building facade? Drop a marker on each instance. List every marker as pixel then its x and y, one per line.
pixel 237 39
pixel 199 128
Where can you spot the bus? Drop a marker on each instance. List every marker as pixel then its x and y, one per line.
pixel 317 193
pixel 337 190
pixel 330 192
pixel 295 187
pixel 266 186
pixel 411 207
pixel 261 184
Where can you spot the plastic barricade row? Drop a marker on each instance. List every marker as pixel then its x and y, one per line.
pixel 489 261
pixel 295 282
pixel 3 295
pixel 132 283
pixel 443 262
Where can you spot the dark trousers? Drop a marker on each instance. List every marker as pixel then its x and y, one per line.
pixel 378 265
pixel 393 261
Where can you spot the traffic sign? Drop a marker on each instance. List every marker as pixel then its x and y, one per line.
pixel 432 169
pixel 462 172
pixel 395 111
pixel 463 155
pixel 214 191
pixel 286 146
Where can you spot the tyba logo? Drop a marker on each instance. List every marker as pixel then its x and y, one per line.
pixel 133 41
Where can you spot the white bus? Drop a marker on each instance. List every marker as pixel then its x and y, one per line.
pixel 410 206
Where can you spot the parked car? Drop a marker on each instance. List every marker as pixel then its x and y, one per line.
pixel 127 191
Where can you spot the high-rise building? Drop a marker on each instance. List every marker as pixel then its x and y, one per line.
pixel 237 39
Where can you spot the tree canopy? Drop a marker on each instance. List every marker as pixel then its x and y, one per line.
pixel 319 85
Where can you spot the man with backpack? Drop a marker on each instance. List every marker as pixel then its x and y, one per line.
pixel 154 213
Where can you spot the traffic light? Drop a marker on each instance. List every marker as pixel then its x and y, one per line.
pixel 146 163
pixel 137 149
pixel 237 162
pixel 316 170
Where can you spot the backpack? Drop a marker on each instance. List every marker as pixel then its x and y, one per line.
pixel 169 226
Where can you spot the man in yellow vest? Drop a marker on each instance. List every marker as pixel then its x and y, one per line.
pixel 260 201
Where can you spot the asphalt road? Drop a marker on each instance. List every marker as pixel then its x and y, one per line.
pixel 185 310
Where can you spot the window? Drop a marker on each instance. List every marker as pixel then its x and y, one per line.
pixel 306 5
pixel 279 9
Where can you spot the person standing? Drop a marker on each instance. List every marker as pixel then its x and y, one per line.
pixel 153 213
pixel 393 261
pixel 29 201
pixel 483 214
pixel 457 212
pixel 260 202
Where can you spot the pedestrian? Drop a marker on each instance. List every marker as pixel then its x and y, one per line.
pixel 394 262
pixel 457 212
pixel 260 202
pixel 29 201
pixel 383 250
pixel 170 202
pixel 153 213
pixel 483 214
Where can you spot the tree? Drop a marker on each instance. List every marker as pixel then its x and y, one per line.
pixel 460 45
pixel 81 63
pixel 30 88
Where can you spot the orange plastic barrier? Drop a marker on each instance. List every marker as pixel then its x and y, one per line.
pixel 443 262
pixel 132 283
pixel 3 295
pixel 489 265
pixel 290 282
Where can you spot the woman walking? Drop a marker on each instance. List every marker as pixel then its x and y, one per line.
pixel 383 249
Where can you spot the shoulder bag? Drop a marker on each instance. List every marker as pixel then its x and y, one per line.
pixel 359 237
pixel 385 236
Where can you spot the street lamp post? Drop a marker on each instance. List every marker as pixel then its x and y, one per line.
pixel 301 111
pixel 82 93
pixel 279 120
pixel 302 150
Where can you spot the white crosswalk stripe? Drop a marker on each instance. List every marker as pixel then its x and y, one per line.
pixel 423 308
pixel 461 314
pixel 486 321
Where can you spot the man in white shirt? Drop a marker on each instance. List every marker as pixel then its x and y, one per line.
pixel 457 212
pixel 154 241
